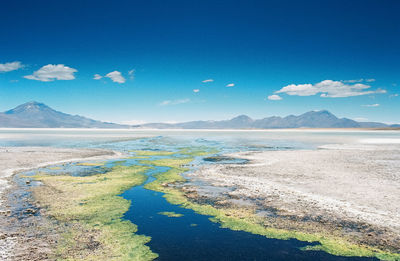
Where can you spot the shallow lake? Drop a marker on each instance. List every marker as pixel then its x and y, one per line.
pixel 193 236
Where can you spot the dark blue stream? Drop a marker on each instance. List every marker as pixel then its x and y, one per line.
pixel 177 238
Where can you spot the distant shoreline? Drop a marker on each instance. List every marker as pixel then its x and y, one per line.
pixel 216 130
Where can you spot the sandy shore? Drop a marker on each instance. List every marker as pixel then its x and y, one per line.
pixel 358 184
pixel 16 159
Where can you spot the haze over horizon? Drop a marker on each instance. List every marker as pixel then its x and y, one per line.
pixel 182 60
pixel 39 115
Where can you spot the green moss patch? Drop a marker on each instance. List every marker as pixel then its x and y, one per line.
pixel 89 213
pixel 93 164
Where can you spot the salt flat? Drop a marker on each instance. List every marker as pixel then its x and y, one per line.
pixel 354 183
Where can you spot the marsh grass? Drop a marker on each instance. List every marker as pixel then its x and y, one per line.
pixel 91 211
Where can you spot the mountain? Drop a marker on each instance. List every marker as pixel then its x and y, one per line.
pixel 38 115
pixel 311 119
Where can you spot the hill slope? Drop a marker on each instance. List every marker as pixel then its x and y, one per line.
pixel 38 115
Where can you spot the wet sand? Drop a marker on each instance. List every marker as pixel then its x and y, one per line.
pixel 14 244
pixel 353 184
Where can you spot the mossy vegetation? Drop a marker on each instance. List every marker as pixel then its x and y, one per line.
pixel 170 214
pixel 197 151
pixel 90 164
pixel 119 162
pixel 89 214
pixel 177 163
pixel 246 220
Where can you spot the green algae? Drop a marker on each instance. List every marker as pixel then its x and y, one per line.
pixel 197 151
pixel 118 162
pixel 92 164
pixel 89 214
pixel 176 163
pixel 170 214
pixel 245 220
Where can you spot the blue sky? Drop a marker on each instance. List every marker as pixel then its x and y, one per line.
pixel 151 58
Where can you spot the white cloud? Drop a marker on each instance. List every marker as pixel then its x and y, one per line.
pixel 8 67
pixel 116 76
pixel 131 74
pixel 353 81
pixel 196 90
pixel 371 105
pixel 53 72
pixel 274 97
pixel 230 85
pixel 174 102
pixel 97 76
pixel 359 80
pixel 394 95
pixel 329 88
pixel 208 80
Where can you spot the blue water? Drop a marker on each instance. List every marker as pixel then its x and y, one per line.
pixel 195 237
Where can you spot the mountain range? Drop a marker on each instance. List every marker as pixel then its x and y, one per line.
pixel 311 119
pixel 38 115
